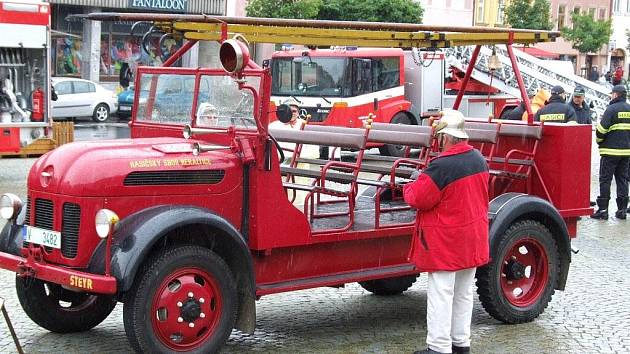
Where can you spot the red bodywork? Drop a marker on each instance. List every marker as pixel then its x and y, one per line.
pixel 286 254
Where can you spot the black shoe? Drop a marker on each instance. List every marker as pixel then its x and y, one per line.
pixel 593 203
pixel 426 351
pixel 461 350
pixel 620 214
pixel 600 214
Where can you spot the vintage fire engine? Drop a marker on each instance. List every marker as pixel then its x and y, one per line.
pixel 338 86
pixel 24 73
pixel 187 232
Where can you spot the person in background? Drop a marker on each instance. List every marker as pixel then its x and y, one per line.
pixel 582 110
pixel 617 76
pixel 594 74
pixel 556 110
pixel 125 75
pixel 451 235
pixel 613 137
pixel 519 111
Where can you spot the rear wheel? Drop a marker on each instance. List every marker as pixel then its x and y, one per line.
pixel 389 286
pixel 519 283
pixel 396 150
pixel 61 310
pixel 101 113
pixel 183 300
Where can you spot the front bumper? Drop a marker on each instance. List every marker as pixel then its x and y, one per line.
pixel 32 265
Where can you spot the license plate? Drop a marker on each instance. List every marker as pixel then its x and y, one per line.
pixel 124 108
pixel 42 236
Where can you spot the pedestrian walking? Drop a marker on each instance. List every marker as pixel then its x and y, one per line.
pixel 613 137
pixel 617 76
pixel 556 110
pixel 582 110
pixel 451 235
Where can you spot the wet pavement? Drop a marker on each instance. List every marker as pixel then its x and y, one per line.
pixel 591 316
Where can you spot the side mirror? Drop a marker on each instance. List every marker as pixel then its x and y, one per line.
pixel 283 113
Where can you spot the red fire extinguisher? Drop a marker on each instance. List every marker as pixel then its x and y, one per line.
pixel 38 105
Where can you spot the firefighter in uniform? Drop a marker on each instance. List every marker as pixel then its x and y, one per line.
pixel 613 137
pixel 556 111
pixel 582 110
pixel 451 234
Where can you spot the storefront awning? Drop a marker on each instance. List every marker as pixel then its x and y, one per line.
pixel 539 53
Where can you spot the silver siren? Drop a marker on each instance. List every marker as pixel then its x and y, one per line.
pixel 199 148
pixel 190 131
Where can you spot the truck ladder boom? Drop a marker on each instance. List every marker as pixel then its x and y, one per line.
pixel 335 33
pixel 536 74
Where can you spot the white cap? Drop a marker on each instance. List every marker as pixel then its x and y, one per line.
pixel 451 123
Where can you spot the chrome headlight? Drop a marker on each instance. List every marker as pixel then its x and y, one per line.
pixel 10 206
pixel 105 221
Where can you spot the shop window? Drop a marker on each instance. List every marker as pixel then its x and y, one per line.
pixel 68 57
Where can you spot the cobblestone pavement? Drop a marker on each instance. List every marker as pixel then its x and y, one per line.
pixel 591 316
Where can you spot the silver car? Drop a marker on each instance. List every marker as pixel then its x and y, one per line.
pixel 82 98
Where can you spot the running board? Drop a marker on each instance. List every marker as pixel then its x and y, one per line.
pixel 336 279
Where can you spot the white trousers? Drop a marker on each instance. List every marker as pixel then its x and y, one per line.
pixel 449 309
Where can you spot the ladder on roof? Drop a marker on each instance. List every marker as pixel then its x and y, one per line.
pixel 536 75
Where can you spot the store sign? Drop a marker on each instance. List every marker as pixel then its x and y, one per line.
pixel 159 5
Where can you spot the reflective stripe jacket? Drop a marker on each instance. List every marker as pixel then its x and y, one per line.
pixel 451 197
pixel 556 111
pixel 613 131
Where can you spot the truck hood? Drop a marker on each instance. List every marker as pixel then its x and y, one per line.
pixel 126 167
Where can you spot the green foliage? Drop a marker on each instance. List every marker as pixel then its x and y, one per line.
pixel 587 35
pixel 529 14
pixel 407 11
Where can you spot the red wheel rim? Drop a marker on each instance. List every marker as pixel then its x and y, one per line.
pixel 524 272
pixel 186 309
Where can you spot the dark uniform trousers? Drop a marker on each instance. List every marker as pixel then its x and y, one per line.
pixel 617 166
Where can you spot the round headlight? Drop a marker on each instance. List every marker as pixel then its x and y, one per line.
pixel 105 221
pixel 10 206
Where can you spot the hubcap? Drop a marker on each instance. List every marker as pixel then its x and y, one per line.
pixel 186 309
pixel 524 272
pixel 101 113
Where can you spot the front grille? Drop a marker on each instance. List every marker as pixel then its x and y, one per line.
pixel 156 178
pixel 27 218
pixel 44 213
pixel 70 225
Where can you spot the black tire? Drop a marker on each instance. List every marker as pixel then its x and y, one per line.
pixel 490 278
pixel 396 150
pixel 389 286
pixel 101 113
pixel 139 320
pixel 60 310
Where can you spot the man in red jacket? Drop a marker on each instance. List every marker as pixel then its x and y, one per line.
pixel 451 239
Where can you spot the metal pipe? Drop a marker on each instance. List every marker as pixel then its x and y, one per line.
pixel 469 70
pixel 258 21
pixel 521 85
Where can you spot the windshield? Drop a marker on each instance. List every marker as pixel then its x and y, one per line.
pixel 169 99
pixel 308 76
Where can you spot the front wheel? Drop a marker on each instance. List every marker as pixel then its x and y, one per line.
pixel 183 300
pixel 396 150
pixel 518 284
pixel 61 310
pixel 101 113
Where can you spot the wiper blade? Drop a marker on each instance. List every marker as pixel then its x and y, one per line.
pixel 325 99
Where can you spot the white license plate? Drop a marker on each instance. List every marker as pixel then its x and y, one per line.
pixel 124 108
pixel 42 236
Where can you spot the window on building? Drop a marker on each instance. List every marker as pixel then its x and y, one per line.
pixel 616 6
pixel 501 12
pixel 561 14
pixel 480 11
pixel 576 10
pixel 591 12
pixel 602 14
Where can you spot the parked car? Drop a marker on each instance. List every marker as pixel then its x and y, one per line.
pixel 125 102
pixel 82 98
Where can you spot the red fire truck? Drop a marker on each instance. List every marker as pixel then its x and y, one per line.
pixel 24 73
pixel 188 232
pixel 338 86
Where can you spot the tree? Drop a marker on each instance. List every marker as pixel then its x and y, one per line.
pixel 528 14
pixel 587 35
pixel 407 11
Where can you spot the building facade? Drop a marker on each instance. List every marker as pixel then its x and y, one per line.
pixel 490 13
pixel 440 12
pixel 97 50
pixel 619 43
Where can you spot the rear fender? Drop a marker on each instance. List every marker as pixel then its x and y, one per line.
pixel 508 208
pixel 140 234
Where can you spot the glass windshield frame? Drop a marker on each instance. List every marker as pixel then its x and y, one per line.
pixel 317 66
pixel 192 114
